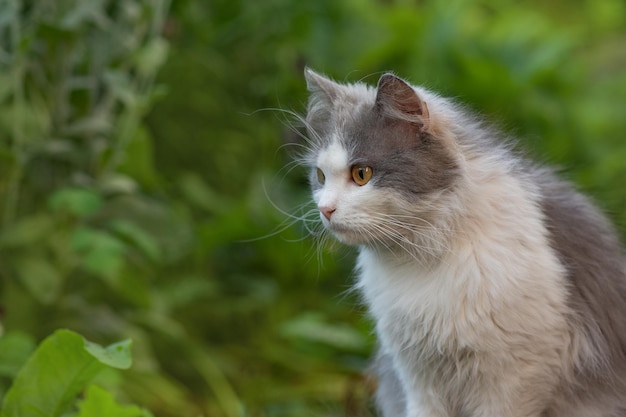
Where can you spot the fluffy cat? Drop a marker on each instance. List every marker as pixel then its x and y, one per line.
pixel 497 289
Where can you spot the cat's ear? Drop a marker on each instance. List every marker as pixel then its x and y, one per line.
pixel 398 100
pixel 320 86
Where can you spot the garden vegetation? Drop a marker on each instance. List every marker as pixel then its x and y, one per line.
pixel 148 265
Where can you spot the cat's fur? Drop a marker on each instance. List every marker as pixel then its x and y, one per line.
pixel 497 289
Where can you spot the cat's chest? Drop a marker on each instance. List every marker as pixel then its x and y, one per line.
pixel 485 298
pixel 446 307
pixel 403 296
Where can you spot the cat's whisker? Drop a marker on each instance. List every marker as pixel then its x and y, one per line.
pixel 315 251
pixel 288 168
pixel 280 228
pixel 440 233
pixel 315 222
pixel 429 235
pixel 284 212
pixel 419 221
pixel 411 248
pixel 304 214
pixel 311 145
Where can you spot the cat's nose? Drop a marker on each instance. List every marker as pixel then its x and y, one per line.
pixel 327 211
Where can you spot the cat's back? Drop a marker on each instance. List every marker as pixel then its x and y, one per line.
pixel 586 244
pixel 589 249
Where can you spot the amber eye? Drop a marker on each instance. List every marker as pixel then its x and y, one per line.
pixel 361 174
pixel 320 176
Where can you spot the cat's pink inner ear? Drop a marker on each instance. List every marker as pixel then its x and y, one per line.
pixel 398 99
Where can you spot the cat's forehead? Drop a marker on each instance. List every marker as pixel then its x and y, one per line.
pixel 368 134
pixel 352 109
pixel 333 158
pixel 330 115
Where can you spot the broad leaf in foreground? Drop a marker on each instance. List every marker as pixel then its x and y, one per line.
pixel 57 372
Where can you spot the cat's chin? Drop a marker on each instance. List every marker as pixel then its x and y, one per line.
pixel 348 239
pixel 346 235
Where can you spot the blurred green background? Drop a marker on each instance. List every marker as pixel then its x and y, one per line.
pixel 144 175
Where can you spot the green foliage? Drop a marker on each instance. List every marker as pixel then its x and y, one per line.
pixel 143 179
pixel 80 78
pixel 100 403
pixel 15 349
pixel 62 367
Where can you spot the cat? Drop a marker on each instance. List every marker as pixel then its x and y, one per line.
pixel 497 290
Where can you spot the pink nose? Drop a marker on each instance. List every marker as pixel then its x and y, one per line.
pixel 327 211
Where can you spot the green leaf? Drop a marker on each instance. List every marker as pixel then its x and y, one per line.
pixel 27 231
pixel 311 327
pixel 117 183
pixel 82 13
pixel 138 238
pixel 102 253
pixel 120 84
pixel 57 372
pixel 40 276
pixel 198 193
pixel 97 123
pixel 32 118
pixel 77 201
pixel 138 161
pixel 15 348
pixel 100 403
pixel 116 355
pixel 151 57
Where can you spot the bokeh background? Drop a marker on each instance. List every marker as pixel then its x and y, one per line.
pixel 145 173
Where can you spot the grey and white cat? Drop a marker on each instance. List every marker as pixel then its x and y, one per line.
pixel 497 289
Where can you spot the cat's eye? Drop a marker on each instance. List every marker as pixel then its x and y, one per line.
pixel 320 176
pixel 361 174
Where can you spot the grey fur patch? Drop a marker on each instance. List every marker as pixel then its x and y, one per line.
pixel 401 156
pixel 589 249
pixel 390 397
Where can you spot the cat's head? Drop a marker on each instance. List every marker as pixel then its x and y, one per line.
pixel 380 159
